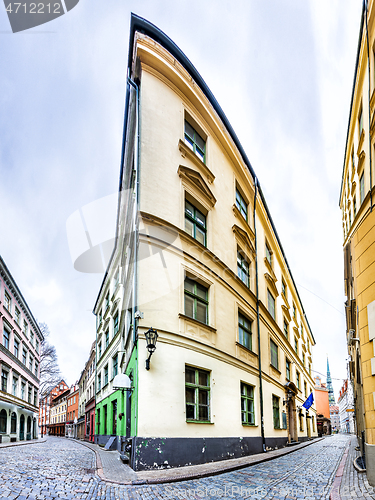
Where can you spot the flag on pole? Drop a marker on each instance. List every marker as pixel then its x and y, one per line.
pixel 309 401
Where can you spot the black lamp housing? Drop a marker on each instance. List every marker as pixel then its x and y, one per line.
pixel 151 339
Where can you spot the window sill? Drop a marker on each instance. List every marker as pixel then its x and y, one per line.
pixel 249 425
pixel 199 422
pixel 275 368
pixel 246 349
pixel 200 323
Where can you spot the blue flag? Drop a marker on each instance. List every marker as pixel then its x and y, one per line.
pixel 309 401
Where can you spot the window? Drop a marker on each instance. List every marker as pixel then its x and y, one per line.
pixel 305 389
pixel 287 369
pixel 14 386
pixel 99 381
pixel 31 337
pixel 117 278
pixel 99 350
pixel 296 345
pixel 310 369
pixel 23 388
pixel 303 358
pixel 268 255
pixel 353 160
pixel 31 362
pixel 247 404
pixel 18 315
pixel 244 331
pixel 298 380
pixel 274 354
pixel 242 269
pixel 195 142
pixel 16 348
pixel 99 318
pixel 7 301
pixel 362 188
pixel 105 375
pixel 271 304
pixel 4 381
pixel 3 421
pixel 196 300
pixel 37 346
pixel 106 339
pixel 13 423
pixel 241 204
pixel 105 418
pixel 197 391
pixel 6 338
pixel 35 398
pixel 360 121
pixel 115 324
pixel 294 312
pixel 300 421
pixel 114 417
pixel 29 395
pixel 114 366
pixel 25 328
pixel 36 369
pixel 350 218
pixel 283 288
pixel 286 333
pixel 195 223
pixel 276 412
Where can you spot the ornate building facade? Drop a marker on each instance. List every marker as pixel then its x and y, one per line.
pixel 198 306
pixel 358 224
pixel 20 340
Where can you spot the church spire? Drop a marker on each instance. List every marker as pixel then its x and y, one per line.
pixel 331 395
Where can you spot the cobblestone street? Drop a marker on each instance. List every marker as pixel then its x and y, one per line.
pixel 65 469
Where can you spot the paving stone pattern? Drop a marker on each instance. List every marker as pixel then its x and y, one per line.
pixel 64 469
pixel 354 484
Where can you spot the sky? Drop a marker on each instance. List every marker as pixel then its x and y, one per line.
pixel 282 71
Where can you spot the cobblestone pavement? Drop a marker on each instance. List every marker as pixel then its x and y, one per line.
pixel 64 469
pixel 354 484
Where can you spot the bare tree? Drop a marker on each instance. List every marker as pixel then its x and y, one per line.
pixel 50 374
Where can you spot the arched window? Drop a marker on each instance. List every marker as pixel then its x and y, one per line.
pixel 13 423
pixel 28 425
pixel 3 421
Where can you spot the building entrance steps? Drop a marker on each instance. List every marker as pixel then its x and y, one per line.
pixel 110 467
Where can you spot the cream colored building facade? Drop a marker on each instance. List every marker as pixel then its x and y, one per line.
pixel 233 359
pixel 358 220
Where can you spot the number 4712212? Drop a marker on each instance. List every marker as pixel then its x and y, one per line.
pixel 39 8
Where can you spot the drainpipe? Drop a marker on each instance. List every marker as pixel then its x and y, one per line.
pixel 369 98
pixel 258 322
pixel 136 206
pixel 135 243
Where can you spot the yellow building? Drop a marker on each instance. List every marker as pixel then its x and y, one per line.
pixel 232 364
pixel 358 219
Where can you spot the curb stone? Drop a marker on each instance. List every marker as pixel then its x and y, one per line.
pixel 200 471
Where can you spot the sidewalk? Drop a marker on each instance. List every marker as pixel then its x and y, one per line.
pixel 110 468
pixel 348 482
pixel 22 443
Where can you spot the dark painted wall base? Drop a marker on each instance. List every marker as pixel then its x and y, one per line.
pixel 103 440
pixel 162 453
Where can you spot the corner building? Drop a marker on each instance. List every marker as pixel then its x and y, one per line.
pixel 20 345
pixel 358 224
pixel 198 260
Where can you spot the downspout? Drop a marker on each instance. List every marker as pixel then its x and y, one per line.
pixel 258 321
pixel 369 109
pixel 135 246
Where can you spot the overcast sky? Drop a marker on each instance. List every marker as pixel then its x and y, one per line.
pixel 282 71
